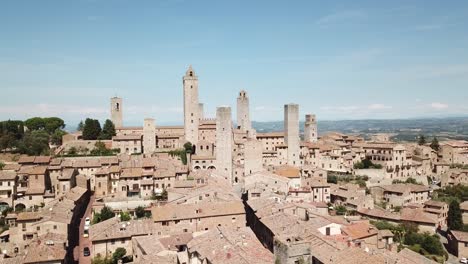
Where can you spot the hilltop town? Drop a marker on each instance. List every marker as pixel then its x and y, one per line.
pixel 217 191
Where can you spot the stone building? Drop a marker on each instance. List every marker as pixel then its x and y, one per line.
pixel 116 111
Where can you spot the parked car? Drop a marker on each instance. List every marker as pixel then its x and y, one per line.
pixel 87 221
pixel 86 252
pixel 86 233
pixel 464 260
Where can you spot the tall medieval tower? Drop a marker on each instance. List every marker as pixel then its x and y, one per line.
pixel 116 111
pixel 224 138
pixel 191 106
pixel 243 116
pixel 310 128
pixel 291 129
pixel 149 136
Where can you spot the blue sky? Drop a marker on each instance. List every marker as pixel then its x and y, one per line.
pixel 338 59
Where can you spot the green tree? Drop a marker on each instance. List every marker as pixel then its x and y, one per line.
pixel 108 130
pixel 432 244
pixel 2 165
pixel 100 149
pixel 340 210
pixel 421 140
pixel 411 181
pixel 100 260
pixel 56 137
pixel 358 165
pixel 125 216
pixel 188 147
pixel 140 212
pixel 106 213
pixel 51 124
pixel 72 151
pixel 91 129
pixel 119 254
pixel 35 123
pixel 80 126
pixel 454 218
pixel 35 143
pixel 8 141
pixel 435 144
pixel 332 179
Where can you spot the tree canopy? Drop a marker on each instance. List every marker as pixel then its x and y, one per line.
pixel 435 144
pixel 421 140
pixel 454 218
pixel 108 130
pixel 91 129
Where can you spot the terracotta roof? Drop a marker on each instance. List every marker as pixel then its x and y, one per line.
pixel 418 215
pixel 48 248
pixel 435 203
pixel 35 190
pixel 7 175
pixel 218 246
pixel 270 134
pixel 114 169
pixel 38 170
pixel 402 188
pixel 173 212
pixel 26 159
pixel 75 193
pixel 28 216
pixel 87 163
pixel 360 230
pixel 460 236
pixel 67 174
pixel 42 159
pixel 126 137
pixel 288 171
pixel 131 173
pixel 12 166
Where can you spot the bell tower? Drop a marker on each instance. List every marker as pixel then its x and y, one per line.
pixel 191 106
pixel 116 111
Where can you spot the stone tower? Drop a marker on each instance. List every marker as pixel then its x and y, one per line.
pixel 224 138
pixel 253 156
pixel 291 133
pixel 116 111
pixel 149 136
pixel 310 128
pixel 191 106
pixel 243 115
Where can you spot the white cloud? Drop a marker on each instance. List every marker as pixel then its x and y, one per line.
pixel 439 106
pixel 378 107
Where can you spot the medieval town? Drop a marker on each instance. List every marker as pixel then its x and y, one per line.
pixel 217 191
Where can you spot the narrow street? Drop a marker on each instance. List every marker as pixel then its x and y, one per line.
pixel 84 242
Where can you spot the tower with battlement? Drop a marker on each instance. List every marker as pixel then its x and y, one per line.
pixel 291 133
pixel 149 136
pixel 116 111
pixel 310 128
pixel 191 106
pixel 243 115
pixel 224 142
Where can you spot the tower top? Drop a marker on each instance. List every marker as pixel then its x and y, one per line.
pixel 242 94
pixel 190 72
